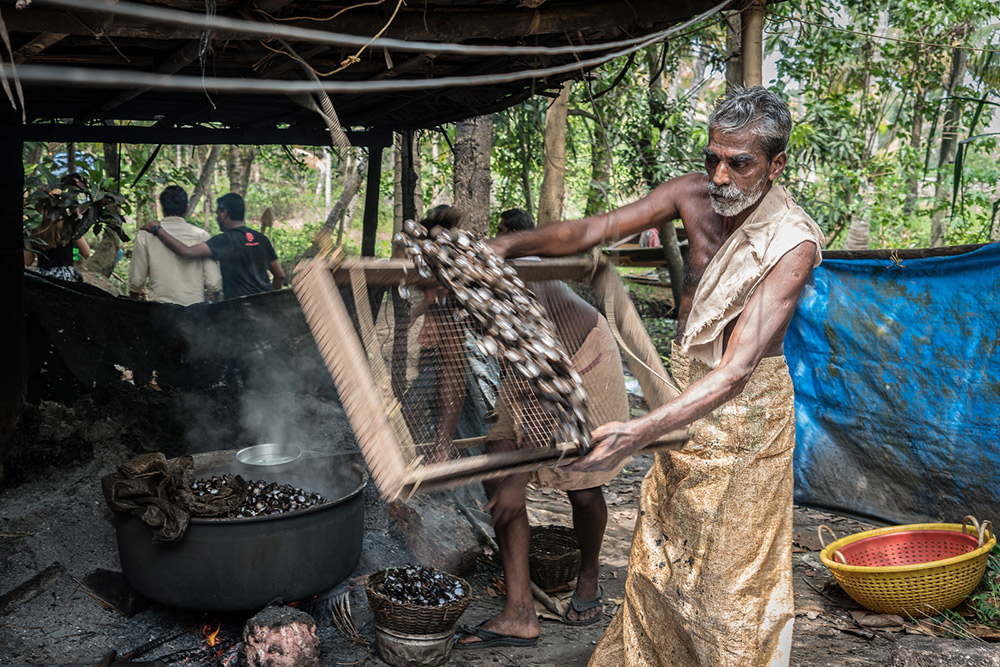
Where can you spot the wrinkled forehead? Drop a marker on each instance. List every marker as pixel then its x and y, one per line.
pixel 730 144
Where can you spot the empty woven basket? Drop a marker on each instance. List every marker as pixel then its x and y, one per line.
pixel 554 556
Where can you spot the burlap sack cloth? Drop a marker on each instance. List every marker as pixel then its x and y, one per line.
pixel 710 572
pixel 157 491
pixel 520 417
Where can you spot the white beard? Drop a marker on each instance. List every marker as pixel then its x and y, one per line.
pixel 729 201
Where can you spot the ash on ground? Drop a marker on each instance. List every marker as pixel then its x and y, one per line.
pixel 52 513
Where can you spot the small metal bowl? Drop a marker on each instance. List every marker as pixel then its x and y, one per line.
pixel 269 454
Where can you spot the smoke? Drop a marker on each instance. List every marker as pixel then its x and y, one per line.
pixel 266 382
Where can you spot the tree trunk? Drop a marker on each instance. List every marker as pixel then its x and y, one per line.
pixel 406 157
pixel 442 195
pixel 702 56
pixel 752 43
pixel 550 199
pixel 201 189
pixel 859 233
pixel 355 171
pixel 668 232
pixel 529 200
pixel 734 58
pixel 949 141
pixel 916 136
pixel 239 161
pixel 102 261
pixel 601 158
pixel 327 176
pixel 71 157
pixel 473 145
pixel 35 154
pixel 600 174
pixel 995 229
pixel 397 187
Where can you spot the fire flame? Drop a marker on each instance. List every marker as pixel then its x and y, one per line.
pixel 211 636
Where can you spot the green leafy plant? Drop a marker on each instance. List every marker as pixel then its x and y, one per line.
pixel 985 601
pixel 72 204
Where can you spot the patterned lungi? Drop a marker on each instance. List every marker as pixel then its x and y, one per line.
pixel 710 571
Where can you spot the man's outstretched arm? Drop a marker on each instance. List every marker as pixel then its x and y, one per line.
pixel 186 251
pixel 571 237
pixel 758 329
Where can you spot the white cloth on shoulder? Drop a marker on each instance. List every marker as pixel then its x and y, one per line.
pixel 774 228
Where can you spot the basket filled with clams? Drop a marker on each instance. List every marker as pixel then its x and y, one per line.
pixel 416 600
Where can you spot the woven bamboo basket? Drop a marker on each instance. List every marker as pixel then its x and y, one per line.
pixel 413 619
pixel 554 556
pixel 913 570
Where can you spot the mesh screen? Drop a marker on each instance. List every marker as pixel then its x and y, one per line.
pixel 427 356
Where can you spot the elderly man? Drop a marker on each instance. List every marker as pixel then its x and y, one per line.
pixel 710 573
pixel 172 279
pixel 244 255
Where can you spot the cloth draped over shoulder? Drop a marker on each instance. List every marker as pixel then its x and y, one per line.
pixel 776 226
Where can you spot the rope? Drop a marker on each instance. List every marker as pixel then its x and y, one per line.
pixel 609 314
pixel 349 60
pixel 271 17
pixel 13 74
pixel 338 137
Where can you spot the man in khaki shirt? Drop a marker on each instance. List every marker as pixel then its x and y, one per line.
pixel 171 278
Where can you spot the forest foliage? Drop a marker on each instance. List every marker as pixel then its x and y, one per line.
pixel 895 142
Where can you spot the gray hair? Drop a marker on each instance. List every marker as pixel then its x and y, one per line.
pixel 758 111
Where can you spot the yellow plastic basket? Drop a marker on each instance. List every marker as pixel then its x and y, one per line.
pixel 913 570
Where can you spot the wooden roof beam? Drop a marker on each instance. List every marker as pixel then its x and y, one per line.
pixel 37 45
pixel 472 24
pixel 194 136
pixel 177 61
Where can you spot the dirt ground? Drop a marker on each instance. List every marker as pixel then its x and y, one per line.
pixel 52 513
pixel 60 517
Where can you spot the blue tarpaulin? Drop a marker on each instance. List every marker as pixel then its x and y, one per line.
pixel 896 366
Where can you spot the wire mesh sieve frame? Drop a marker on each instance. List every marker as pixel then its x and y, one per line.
pixel 317 285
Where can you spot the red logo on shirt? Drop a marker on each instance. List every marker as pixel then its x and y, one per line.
pixel 250 241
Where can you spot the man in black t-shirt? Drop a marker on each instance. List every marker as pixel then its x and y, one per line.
pixel 245 255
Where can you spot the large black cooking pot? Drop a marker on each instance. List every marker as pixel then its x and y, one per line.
pixel 243 564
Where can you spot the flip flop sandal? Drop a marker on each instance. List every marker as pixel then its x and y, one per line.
pixel 579 606
pixel 488 638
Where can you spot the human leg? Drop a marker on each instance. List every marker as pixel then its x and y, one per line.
pixel 510 521
pixel 590 517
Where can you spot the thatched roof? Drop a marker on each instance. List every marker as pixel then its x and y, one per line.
pixel 131 47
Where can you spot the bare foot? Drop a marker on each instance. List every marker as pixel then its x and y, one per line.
pixel 524 628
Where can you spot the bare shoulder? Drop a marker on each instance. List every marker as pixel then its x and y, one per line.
pixel 678 197
pixel 682 187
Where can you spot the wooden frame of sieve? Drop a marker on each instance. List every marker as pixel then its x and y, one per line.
pixel 316 286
